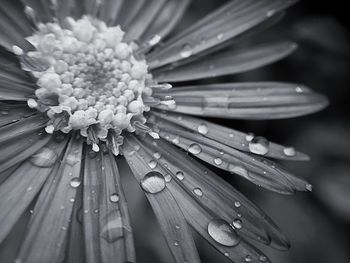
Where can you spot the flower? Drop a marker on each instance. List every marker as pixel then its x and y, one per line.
pixel 83 85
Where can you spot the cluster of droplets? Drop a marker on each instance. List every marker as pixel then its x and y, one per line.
pixel 88 78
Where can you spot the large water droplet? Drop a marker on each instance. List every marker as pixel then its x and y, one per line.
pixel 72 159
pixel 114 198
pixel 113 229
pixel 289 151
pixel 195 149
pixel 180 175
pixel 223 233
pixel 186 51
pixel 237 223
pixel 75 182
pixel 203 128
pixel 259 145
pixel 44 158
pixel 153 182
pixel 237 204
pixel 198 192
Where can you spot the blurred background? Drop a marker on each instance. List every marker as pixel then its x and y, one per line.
pixel 317 223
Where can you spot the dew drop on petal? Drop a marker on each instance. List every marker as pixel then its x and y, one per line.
pixel 263 258
pixel 156 155
pixel 289 151
pixel 153 182
pixel 226 254
pixel 72 159
pixel 180 175
pixel 259 145
pixel 249 137
pixel 113 229
pixel 218 161
pixel 237 223
pixel 75 182
pixel 186 51
pixel 223 233
pixel 198 192
pixel 309 187
pixel 248 258
pixel 114 198
pixel 152 164
pixel 195 149
pixel 44 158
pixel 237 204
pixel 167 178
pixel 203 128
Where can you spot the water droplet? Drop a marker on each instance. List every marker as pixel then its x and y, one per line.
pixel 223 233
pixel 248 258
pixel 167 178
pixel 72 159
pixel 226 254
pixel 259 145
pixel 195 149
pixel 176 244
pixel 203 128
pixel 114 198
pixel 180 175
pixel 75 182
pixel 263 258
pixel 220 36
pixel 177 227
pixel 271 13
pixel 156 155
pixel 249 137
pixel 218 161
pixel 29 189
pixel 237 204
pixel 231 135
pixel 289 151
pixel 198 191
pixel 176 140
pixel 44 158
pixel 299 90
pixel 309 187
pixel 153 182
pixel 152 164
pixel 237 223
pixel 186 51
pixel 114 228
pixel 72 200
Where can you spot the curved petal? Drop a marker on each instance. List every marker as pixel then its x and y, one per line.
pixel 226 63
pixel 252 101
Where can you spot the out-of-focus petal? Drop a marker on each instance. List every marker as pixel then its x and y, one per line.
pixel 229 21
pixel 41 9
pixel 170 217
pixel 22 186
pixel 109 11
pixel 228 62
pixel 46 238
pixel 108 234
pixel 224 135
pixel 252 101
pixel 13 112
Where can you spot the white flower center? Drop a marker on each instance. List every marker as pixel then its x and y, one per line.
pixel 92 78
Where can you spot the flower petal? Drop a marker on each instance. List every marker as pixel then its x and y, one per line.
pixel 226 63
pixel 140 159
pixel 167 19
pixel 166 208
pixel 108 234
pixel 144 19
pixel 218 196
pixel 13 112
pixel 47 232
pixel 109 11
pixel 42 9
pixel 256 169
pixel 22 186
pixel 222 134
pixel 227 22
pixel 253 101
pixel 129 11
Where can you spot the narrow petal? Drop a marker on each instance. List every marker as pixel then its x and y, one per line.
pixel 253 101
pixel 234 249
pixel 108 234
pixel 22 127
pixel 167 19
pixel 15 152
pixel 229 62
pixel 109 11
pixel 253 168
pixel 13 112
pixel 224 135
pixel 129 11
pixel 47 232
pixel 164 205
pixel 144 19
pixel 19 190
pixel 227 22
pixel 66 8
pixel 217 195
pixel 42 9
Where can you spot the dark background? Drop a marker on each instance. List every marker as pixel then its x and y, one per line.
pixel 317 223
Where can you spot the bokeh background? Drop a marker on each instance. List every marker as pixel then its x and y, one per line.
pixel 317 223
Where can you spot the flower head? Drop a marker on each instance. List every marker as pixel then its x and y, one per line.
pixel 84 84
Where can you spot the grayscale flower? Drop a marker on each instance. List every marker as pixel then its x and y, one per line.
pixel 86 83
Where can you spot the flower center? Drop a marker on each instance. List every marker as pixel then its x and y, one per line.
pixel 88 78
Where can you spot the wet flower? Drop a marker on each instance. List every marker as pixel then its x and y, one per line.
pixel 84 84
